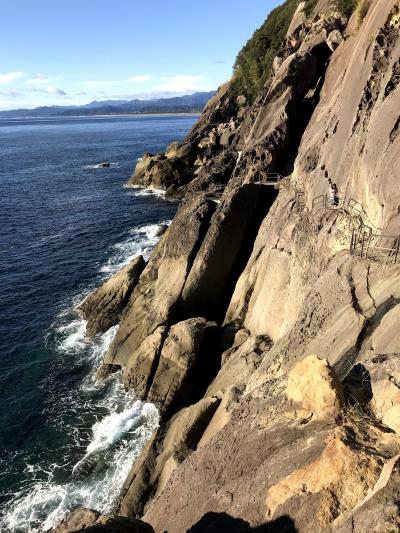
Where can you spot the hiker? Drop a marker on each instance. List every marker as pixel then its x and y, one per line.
pixel 333 194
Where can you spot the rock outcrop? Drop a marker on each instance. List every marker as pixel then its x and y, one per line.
pixel 102 308
pixel 91 521
pixel 169 171
pixel 255 275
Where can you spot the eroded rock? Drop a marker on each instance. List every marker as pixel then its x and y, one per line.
pixel 103 307
pixel 91 521
pixel 173 442
pixel 154 299
pixel 171 381
pixel 316 389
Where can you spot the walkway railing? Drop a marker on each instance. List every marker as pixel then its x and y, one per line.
pixel 384 245
pixel 367 240
pixel 268 178
pixel 319 202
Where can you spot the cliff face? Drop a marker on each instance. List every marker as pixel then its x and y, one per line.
pixel 265 324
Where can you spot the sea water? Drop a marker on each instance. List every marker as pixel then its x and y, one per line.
pixel 66 226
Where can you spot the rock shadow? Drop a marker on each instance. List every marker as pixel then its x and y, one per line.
pixel 222 522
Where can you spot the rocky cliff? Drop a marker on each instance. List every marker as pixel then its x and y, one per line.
pixel 265 325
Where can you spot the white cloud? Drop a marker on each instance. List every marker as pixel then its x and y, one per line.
pixel 100 83
pixel 10 76
pixel 139 79
pixel 183 84
pixel 12 93
pixel 40 79
pixel 50 89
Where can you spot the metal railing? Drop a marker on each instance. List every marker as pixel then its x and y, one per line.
pixel 366 238
pixel 269 178
pixel 355 208
pixel 319 202
pixel 384 245
pixel 375 245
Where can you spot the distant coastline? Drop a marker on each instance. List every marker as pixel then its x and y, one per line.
pixel 107 115
pixel 192 104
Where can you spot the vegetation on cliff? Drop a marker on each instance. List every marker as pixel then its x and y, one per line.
pixel 347 7
pixel 254 62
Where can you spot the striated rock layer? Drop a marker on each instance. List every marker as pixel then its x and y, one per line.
pixel 265 325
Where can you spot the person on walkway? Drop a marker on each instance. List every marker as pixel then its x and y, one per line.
pixel 333 193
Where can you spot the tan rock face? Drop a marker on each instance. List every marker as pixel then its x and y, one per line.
pixel 176 363
pixel 170 446
pixel 222 248
pixel 315 388
pixel 103 307
pixel 354 131
pixel 340 470
pixel 142 364
pixel 262 465
pixel 154 299
pixel 282 273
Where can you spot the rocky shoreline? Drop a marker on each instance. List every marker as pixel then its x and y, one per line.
pixel 266 339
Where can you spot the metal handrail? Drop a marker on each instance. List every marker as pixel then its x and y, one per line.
pixel 391 250
pixel 354 205
pixel 319 202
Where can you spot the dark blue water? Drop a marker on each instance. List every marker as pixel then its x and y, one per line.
pixel 65 227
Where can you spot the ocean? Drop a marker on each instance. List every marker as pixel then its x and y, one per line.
pixel 66 226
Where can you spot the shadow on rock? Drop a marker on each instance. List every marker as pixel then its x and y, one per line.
pixel 220 522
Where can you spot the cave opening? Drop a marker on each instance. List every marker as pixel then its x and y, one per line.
pixel 301 110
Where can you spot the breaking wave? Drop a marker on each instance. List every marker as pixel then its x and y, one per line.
pixel 141 241
pixel 97 478
pixel 101 428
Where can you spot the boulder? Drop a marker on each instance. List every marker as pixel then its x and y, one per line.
pixel 241 100
pixel 91 521
pixel 184 150
pixel 314 387
pixel 240 361
pixel 383 374
pixel 161 230
pixel 334 39
pixel 161 171
pixel 227 138
pixel 102 308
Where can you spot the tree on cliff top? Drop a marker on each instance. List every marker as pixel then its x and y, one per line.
pixel 254 62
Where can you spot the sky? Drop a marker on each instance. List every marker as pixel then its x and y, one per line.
pixel 71 52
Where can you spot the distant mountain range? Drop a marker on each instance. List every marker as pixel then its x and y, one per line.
pixel 190 103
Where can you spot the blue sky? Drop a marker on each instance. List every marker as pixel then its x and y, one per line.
pixel 75 51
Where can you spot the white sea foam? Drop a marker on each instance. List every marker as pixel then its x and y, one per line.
pixel 99 166
pixel 73 336
pixel 141 241
pixel 150 192
pixel 121 425
pixel 117 440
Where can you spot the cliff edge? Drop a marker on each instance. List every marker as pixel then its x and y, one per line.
pixel 264 326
